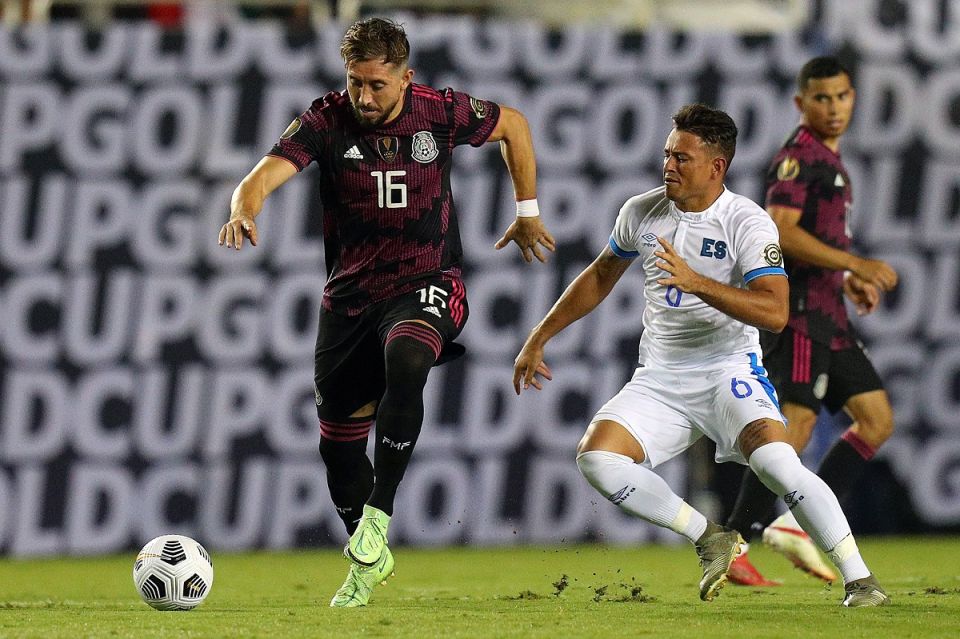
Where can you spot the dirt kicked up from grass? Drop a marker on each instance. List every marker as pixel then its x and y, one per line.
pixel 566 591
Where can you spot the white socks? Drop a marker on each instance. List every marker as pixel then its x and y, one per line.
pixel 640 492
pixel 812 503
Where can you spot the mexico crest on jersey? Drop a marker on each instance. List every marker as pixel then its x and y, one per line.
pixel 424 147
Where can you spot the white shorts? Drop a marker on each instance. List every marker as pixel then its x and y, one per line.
pixel 667 410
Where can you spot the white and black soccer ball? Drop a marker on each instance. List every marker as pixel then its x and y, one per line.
pixel 173 572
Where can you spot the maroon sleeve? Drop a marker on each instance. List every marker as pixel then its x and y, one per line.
pixel 473 119
pixel 787 183
pixel 302 142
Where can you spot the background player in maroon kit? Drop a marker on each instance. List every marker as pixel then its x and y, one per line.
pixel 817 360
pixel 393 301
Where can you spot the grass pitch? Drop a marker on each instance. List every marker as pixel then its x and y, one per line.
pixel 572 591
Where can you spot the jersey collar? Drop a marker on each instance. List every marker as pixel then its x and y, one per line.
pixel 803 128
pixel 708 213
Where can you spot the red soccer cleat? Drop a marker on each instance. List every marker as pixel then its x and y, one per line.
pixel 744 573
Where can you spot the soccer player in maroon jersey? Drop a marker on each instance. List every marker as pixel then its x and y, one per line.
pixel 394 301
pixel 817 360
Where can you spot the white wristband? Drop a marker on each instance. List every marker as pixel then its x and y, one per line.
pixel 528 208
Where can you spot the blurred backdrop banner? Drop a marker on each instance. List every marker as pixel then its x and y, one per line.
pixel 153 382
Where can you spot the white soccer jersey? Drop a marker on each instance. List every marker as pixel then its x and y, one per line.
pixel 733 242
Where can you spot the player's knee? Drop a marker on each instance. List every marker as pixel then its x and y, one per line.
pixel 775 464
pixel 587 463
pixel 597 466
pixel 608 436
pixel 341 455
pixel 409 359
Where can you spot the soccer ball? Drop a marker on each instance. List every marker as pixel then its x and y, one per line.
pixel 173 572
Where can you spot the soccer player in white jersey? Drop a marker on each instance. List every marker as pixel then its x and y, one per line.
pixel 713 276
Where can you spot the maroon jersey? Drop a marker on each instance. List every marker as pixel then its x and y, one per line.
pixel 806 175
pixel 389 220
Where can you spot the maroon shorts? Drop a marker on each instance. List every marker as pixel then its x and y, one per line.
pixel 349 355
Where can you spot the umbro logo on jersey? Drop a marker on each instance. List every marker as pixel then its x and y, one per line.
pixel 839 181
pixel 432 309
pixel 649 239
pixel 353 153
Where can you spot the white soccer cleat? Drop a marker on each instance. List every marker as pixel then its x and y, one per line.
pixel 788 539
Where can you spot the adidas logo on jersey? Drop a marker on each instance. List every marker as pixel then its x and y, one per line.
pixel 353 153
pixel 838 181
pixel 432 309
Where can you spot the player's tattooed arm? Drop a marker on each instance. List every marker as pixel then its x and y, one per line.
pixel 248 198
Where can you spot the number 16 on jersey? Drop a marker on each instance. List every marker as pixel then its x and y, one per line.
pixel 390 194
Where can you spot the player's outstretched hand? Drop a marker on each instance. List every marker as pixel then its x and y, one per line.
pixel 864 295
pixel 529 233
pixel 233 232
pixel 876 272
pixel 681 275
pixel 527 366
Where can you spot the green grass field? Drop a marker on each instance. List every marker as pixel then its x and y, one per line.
pixel 576 591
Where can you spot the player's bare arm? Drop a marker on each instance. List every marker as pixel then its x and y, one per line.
pixel 801 245
pixel 248 198
pixel 765 304
pixel 516 145
pixel 582 296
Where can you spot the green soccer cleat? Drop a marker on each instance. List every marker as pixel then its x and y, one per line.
pixel 369 540
pixel 717 551
pixel 361 580
pixel 861 593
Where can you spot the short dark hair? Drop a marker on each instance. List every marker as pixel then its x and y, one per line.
pixel 713 126
pixel 826 66
pixel 375 39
